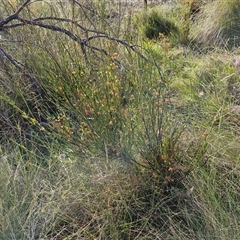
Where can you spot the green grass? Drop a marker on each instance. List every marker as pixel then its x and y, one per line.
pixel 139 144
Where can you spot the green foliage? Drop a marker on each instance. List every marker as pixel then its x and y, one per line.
pixel 135 141
pixel 154 24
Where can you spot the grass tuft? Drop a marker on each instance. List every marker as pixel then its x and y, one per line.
pixel 154 24
pixel 217 24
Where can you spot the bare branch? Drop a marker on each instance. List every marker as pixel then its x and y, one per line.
pixel 70 21
pixel 10 58
pixel 13 16
pixel 51 27
pixel 22 7
pixel 20 68
pixel 85 42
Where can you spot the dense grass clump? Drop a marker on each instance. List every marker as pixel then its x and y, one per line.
pixel 217 24
pixel 154 24
pixel 114 127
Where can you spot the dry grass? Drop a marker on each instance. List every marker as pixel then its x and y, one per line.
pixel 217 24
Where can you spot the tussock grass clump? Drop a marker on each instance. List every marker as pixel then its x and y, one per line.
pixel 218 24
pixel 109 209
pixel 154 23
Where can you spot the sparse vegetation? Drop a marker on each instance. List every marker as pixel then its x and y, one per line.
pixel 119 122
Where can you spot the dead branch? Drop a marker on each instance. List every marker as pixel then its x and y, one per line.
pixel 84 42
pixel 6 24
